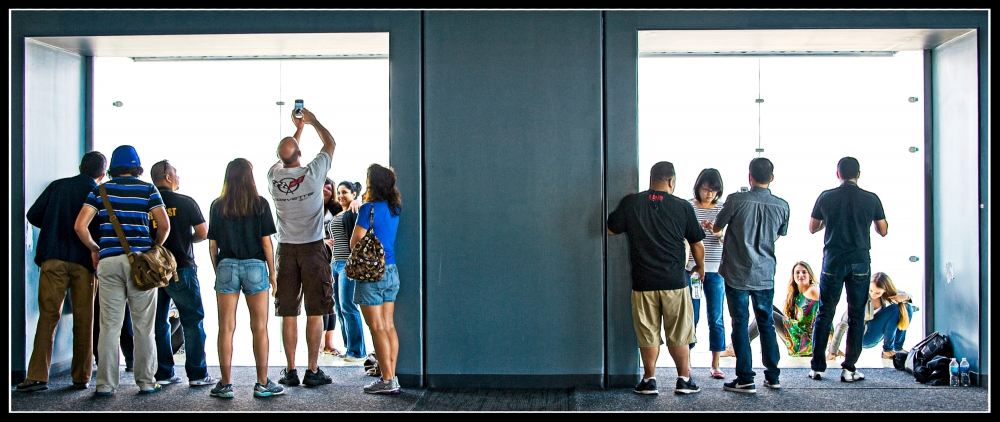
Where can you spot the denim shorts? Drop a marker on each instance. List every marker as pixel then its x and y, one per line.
pixel 248 274
pixel 384 290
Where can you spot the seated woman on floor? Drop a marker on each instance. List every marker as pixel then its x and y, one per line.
pixel 883 322
pixel 795 324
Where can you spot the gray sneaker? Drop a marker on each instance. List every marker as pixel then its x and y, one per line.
pixel 208 380
pixel 224 391
pixel 381 386
pixel 271 389
pixel 176 379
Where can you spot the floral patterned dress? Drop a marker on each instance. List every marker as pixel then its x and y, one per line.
pixel 800 327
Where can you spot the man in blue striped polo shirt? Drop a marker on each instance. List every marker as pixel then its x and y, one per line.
pixel 132 201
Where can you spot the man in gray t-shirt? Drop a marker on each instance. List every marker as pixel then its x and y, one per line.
pixel 755 219
pixel 303 261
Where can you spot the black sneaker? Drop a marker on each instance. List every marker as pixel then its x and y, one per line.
pixel 686 387
pixel 31 385
pixel 646 387
pixel 736 387
pixel 289 377
pixel 316 378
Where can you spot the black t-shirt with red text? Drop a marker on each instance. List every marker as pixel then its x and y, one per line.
pixel 657 224
pixel 184 214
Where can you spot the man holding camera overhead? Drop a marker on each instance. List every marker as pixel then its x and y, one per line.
pixel 303 261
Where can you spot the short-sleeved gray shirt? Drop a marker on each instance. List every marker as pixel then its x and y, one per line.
pixel 298 199
pixel 755 219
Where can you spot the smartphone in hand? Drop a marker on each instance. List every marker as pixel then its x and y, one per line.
pixel 298 108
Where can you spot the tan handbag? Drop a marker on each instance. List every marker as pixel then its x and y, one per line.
pixel 151 269
pixel 367 260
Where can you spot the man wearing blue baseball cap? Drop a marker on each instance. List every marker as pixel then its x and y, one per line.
pixel 132 201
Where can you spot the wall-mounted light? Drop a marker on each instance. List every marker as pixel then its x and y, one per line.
pixel 117 104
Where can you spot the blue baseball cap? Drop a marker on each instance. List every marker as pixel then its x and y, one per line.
pixel 124 156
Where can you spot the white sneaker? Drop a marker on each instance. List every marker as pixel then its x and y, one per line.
pixel 815 375
pixel 848 376
pixel 208 380
pixel 352 359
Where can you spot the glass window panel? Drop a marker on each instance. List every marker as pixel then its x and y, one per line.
pixel 202 114
pixel 700 112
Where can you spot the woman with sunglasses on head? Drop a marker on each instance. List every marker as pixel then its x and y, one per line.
pixel 338 230
pixel 887 316
pixel 239 242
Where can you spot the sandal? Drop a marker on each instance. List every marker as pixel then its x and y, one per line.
pixel 334 352
pixel 888 355
pixel 717 374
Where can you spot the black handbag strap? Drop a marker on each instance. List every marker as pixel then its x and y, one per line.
pixel 114 220
pixel 371 219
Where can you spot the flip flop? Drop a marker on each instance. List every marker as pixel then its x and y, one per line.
pixel 717 374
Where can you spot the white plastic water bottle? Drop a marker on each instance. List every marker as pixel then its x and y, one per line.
pixel 963 370
pixel 695 286
pixel 953 373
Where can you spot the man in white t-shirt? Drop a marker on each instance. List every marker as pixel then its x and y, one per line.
pixel 303 262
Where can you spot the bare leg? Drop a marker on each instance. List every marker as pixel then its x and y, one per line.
pixel 328 341
pixel 680 356
pixel 314 335
pixel 649 356
pixel 383 330
pixel 290 337
pixel 228 303
pixel 258 326
pixel 715 360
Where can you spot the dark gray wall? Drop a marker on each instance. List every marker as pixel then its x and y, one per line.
pixel 53 146
pixel 513 180
pixel 956 205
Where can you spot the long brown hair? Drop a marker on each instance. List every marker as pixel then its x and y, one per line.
pixel 883 282
pixel 239 198
pixel 382 187
pixel 793 288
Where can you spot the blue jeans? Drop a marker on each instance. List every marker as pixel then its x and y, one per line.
pixel 884 326
pixel 348 313
pixel 186 294
pixel 714 289
pixel 738 301
pixel 831 284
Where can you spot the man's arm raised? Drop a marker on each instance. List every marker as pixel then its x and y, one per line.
pixel 324 135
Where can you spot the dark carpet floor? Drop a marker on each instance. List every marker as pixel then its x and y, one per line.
pixel 883 390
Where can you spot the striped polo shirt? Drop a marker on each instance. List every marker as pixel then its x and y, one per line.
pixel 132 201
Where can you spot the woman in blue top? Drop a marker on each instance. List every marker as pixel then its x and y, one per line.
pixel 377 299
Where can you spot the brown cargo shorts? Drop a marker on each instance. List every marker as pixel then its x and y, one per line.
pixel 303 270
